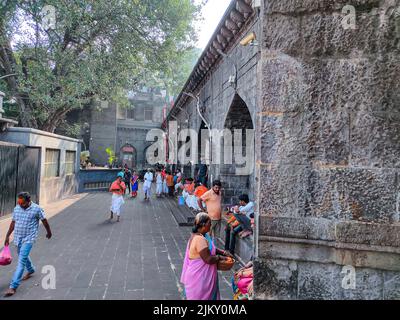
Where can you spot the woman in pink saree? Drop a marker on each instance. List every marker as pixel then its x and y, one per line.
pixel 199 272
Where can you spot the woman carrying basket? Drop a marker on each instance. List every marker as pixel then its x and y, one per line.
pixel 202 261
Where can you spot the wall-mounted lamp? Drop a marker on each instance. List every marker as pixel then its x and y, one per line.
pixel 249 40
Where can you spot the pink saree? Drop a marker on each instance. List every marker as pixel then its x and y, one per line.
pixel 199 278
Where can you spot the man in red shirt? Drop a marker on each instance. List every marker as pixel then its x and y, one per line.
pixel 117 188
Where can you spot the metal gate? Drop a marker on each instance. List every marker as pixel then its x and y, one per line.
pixel 19 171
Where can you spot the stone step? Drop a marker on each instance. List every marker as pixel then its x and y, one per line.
pixel 182 214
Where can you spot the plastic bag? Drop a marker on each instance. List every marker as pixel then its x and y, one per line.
pixel 5 256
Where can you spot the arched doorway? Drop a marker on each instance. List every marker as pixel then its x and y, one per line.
pixel 238 174
pixel 128 156
pixel 202 169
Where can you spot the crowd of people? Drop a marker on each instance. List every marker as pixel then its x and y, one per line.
pixel 202 258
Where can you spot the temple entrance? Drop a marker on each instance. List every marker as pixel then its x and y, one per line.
pixel 128 156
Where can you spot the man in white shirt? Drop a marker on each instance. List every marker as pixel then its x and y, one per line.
pixel 179 183
pixel 148 180
pixel 243 214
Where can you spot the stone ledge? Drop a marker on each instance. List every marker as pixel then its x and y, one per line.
pixel 375 257
pixel 349 232
pixel 368 233
pixel 307 228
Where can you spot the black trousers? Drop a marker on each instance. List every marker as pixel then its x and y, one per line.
pixel 128 187
pixel 230 238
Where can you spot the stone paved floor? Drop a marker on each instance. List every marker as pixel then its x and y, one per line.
pixel 138 258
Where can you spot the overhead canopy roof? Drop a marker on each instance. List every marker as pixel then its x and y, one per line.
pixel 235 18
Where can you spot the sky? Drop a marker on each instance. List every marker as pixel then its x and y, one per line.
pixel 212 14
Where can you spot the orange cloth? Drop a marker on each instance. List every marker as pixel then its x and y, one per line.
pixel 189 188
pixel 200 190
pixel 116 185
pixel 213 203
pixel 170 180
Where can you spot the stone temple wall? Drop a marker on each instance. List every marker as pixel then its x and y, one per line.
pixel 328 146
pixel 217 95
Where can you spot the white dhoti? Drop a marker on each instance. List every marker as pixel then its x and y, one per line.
pixel 116 203
pixel 147 189
pixel 191 202
pixel 159 188
pixel 165 187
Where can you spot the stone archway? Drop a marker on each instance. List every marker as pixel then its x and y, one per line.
pixel 235 180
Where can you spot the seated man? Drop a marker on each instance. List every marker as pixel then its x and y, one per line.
pixel 170 183
pixel 178 181
pixel 188 191
pixel 198 192
pixel 243 215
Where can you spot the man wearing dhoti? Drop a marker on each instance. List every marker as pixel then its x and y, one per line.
pixel 118 190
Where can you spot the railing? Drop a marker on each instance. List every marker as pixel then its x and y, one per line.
pixel 96 179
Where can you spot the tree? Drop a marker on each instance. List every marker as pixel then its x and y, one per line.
pixel 58 55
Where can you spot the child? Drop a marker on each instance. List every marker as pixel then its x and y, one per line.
pixel 135 184
pixel 159 181
pixel 118 190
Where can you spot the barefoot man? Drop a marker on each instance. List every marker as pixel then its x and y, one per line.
pixel 117 188
pixel 25 225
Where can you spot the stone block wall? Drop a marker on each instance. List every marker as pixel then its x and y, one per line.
pixel 328 151
pixel 103 132
pixel 217 95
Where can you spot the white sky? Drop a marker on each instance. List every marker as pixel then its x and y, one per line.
pixel 212 14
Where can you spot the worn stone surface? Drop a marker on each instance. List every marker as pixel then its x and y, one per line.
pixel 139 258
pixel 275 279
pixel 368 233
pixel 325 282
pixel 391 286
pixel 329 148
pixel 332 252
pixel 303 228
pixel 322 191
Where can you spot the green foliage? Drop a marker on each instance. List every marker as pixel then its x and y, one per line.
pixel 96 49
pixel 111 155
pixel 84 156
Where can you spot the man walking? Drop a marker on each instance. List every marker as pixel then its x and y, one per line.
pixel 212 199
pixel 148 180
pixel 127 179
pixel 25 225
pixel 117 189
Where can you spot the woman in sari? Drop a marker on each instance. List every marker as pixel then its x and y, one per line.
pixel 199 272
pixel 242 283
pixel 134 184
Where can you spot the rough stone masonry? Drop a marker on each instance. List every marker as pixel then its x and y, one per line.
pixel 328 144
pixel 325 102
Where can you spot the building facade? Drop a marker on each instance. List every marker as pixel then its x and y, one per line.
pixel 124 129
pixel 323 100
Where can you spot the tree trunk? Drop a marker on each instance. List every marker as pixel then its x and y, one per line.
pixel 54 120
